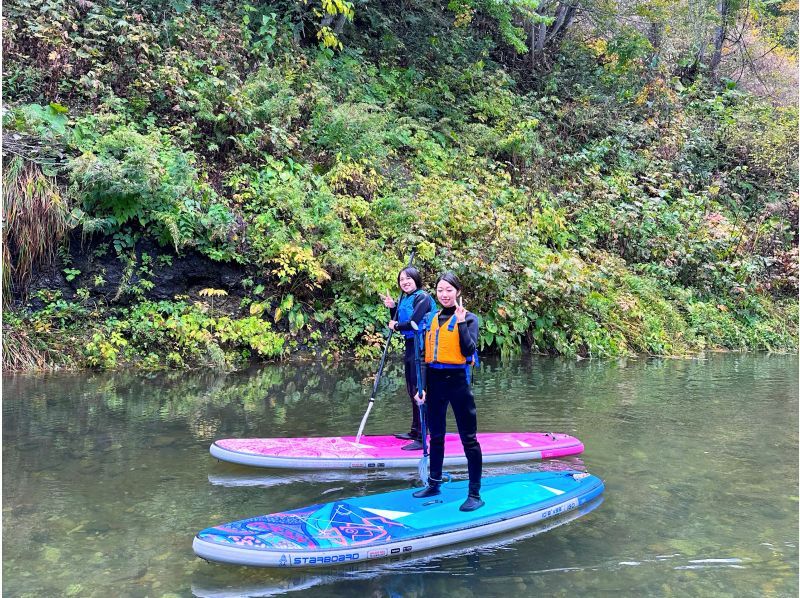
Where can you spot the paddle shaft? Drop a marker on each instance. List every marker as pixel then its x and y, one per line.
pixel 422 467
pixel 420 388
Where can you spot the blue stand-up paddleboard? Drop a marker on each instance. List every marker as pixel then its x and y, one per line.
pixel 394 523
pixel 208 584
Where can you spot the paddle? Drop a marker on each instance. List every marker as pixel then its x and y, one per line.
pixel 380 367
pixel 422 467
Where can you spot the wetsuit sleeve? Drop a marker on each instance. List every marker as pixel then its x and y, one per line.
pixel 468 335
pixel 421 305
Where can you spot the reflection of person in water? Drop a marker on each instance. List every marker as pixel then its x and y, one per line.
pixel 451 341
pixel 414 307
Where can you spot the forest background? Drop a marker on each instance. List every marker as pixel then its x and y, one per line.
pixel 204 183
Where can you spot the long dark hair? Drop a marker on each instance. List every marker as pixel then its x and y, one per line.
pixel 413 274
pixel 451 279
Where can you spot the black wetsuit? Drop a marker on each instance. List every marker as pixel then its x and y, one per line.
pixel 450 386
pixel 422 304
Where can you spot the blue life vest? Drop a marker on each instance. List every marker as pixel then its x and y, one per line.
pixel 406 309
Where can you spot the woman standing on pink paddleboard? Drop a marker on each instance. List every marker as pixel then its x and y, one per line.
pixel 415 306
pixel 451 341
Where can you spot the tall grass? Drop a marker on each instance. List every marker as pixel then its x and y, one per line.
pixel 22 352
pixel 35 220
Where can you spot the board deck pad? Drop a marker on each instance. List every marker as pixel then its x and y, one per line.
pixel 394 523
pixel 376 452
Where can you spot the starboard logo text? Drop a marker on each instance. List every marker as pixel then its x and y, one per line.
pixel 323 560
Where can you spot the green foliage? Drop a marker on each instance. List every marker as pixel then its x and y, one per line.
pixel 755 145
pixel 43 121
pixel 71 274
pixel 592 203
pixel 102 352
pixel 288 203
pixel 507 16
pixel 127 178
pixel 358 131
pixel 187 334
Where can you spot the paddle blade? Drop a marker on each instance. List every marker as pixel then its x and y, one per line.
pixel 364 421
pixel 422 469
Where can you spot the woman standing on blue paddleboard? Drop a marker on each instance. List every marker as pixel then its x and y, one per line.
pixel 451 341
pixel 414 306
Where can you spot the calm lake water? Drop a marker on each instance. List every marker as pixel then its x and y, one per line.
pixel 106 478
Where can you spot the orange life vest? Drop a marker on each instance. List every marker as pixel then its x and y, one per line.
pixel 442 345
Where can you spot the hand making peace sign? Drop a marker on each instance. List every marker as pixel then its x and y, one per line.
pixel 387 300
pixel 461 312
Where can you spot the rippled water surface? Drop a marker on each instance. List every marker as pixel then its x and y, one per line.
pixel 106 478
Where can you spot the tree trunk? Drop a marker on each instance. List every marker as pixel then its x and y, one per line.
pixel 723 7
pixel 563 21
pixel 542 36
pixel 340 21
pixel 655 35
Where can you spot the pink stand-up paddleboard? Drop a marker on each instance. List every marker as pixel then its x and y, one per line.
pixel 380 452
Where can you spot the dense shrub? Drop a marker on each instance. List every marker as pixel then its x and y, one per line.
pixel 593 203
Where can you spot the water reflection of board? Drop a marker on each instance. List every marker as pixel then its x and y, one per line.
pixel 242 476
pixel 394 523
pixel 378 452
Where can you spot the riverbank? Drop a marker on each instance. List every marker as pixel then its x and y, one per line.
pixel 213 203
pixel 69 328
